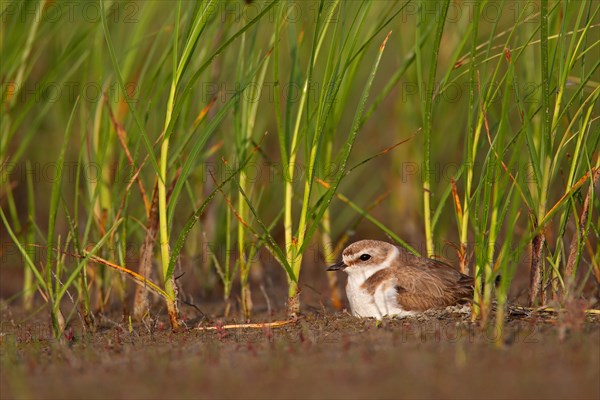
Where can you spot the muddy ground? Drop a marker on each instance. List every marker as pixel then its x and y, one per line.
pixel 322 355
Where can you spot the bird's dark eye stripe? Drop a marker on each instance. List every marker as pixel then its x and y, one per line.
pixel 365 257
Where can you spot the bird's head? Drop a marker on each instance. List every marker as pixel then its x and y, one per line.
pixel 365 255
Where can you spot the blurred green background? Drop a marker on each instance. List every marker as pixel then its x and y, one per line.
pixel 244 56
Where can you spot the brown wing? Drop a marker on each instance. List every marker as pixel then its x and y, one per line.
pixel 424 283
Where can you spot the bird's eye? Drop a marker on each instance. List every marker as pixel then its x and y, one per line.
pixel 364 257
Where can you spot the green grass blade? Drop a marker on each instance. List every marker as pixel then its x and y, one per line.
pixel 347 149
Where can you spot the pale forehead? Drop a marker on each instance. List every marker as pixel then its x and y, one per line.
pixel 369 246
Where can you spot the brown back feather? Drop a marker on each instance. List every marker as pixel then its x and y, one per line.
pixel 423 283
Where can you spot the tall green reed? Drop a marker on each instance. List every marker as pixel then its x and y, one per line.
pixel 307 129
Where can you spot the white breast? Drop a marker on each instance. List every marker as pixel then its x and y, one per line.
pixel 381 303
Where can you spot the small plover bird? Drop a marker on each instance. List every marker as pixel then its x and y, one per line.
pixel 384 279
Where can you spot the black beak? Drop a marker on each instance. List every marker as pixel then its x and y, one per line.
pixel 337 267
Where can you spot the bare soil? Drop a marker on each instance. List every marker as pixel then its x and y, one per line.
pixel 322 355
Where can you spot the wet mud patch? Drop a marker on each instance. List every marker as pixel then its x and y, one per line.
pixel 322 355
